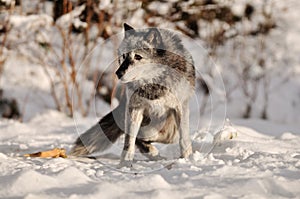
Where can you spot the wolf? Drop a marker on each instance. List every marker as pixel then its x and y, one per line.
pixel 159 76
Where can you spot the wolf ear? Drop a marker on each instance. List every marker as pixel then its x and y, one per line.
pixel 153 37
pixel 127 29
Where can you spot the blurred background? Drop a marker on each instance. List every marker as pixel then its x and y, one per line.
pixel 59 54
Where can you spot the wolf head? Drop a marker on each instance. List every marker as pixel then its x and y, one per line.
pixel 138 53
pixel 153 56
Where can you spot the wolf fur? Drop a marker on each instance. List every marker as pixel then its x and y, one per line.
pixel 159 76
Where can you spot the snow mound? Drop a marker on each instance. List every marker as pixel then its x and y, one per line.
pixel 18 185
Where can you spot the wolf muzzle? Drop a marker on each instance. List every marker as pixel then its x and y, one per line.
pixel 124 66
pixel 120 73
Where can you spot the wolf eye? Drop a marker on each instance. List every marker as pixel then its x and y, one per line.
pixel 138 57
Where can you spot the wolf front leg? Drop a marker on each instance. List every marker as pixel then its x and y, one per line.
pixel 133 121
pixel 184 131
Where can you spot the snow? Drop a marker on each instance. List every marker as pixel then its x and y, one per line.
pixel 7 2
pixel 30 22
pixel 243 163
pixel 72 17
pixel 161 8
pixel 232 158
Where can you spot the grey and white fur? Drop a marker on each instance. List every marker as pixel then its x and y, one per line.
pixel 159 76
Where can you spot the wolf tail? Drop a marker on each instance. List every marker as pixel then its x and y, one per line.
pixel 102 135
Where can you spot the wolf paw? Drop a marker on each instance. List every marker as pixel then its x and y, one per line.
pixel 185 153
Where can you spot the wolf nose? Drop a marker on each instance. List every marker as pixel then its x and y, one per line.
pixel 119 73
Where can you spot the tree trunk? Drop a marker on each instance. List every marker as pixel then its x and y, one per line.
pixel 61 7
pixel 247 112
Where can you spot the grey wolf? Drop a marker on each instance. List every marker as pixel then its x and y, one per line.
pixel 159 76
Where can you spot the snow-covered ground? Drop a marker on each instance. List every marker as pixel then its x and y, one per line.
pixel 253 164
pixel 250 158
